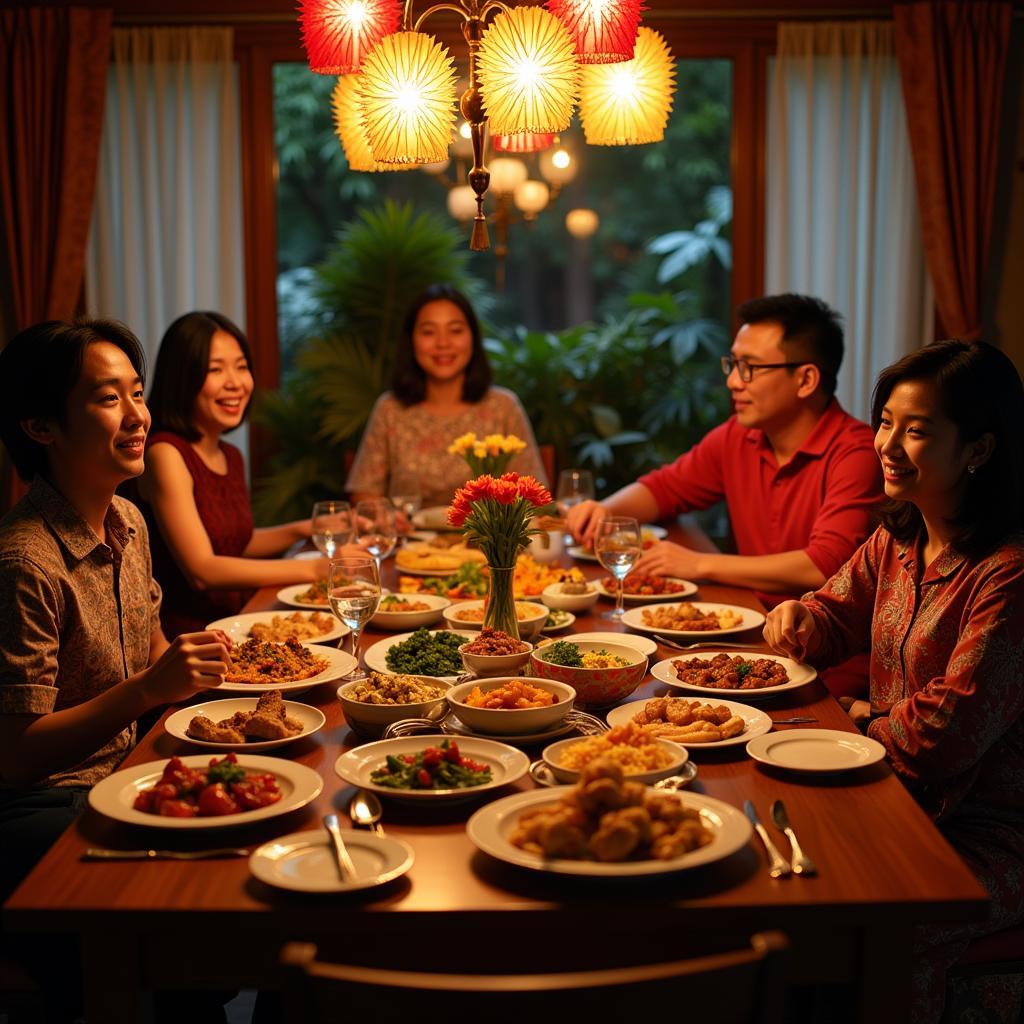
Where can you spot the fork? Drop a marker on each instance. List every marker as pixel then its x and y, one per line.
pixel 96 854
pixel 705 645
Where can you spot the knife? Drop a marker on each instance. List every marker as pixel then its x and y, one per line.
pixel 779 866
pixel 346 869
pixel 95 854
pixel 802 864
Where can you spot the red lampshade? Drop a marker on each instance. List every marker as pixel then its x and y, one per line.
pixel 337 33
pixel 524 142
pixel 603 31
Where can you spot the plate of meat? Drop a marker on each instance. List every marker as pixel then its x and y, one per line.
pixel 638 586
pixel 253 723
pixel 257 666
pixel 746 674
pixel 692 619
pixel 697 725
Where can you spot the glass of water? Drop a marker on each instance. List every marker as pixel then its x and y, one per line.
pixel 376 527
pixel 574 486
pixel 404 492
pixel 618 546
pixel 353 590
pixel 332 526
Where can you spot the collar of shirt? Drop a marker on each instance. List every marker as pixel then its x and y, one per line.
pixel 71 529
pixel 948 560
pixel 817 442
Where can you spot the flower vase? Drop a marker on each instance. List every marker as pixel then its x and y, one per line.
pixel 500 612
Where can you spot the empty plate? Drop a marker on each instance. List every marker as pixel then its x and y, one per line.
pixel 816 750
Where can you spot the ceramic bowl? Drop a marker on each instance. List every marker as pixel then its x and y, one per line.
pixel 510 721
pixel 372 719
pixel 553 597
pixel 530 624
pixel 595 687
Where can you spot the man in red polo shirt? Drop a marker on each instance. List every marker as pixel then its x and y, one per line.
pixel 799 475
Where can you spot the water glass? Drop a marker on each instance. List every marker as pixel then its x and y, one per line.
pixel 574 486
pixel 353 590
pixel 377 527
pixel 404 492
pixel 618 546
pixel 332 526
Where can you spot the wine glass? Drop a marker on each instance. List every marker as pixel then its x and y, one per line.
pixel 353 590
pixel 618 546
pixel 376 528
pixel 404 491
pixel 332 526
pixel 574 486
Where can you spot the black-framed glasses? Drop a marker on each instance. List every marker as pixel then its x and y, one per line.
pixel 746 370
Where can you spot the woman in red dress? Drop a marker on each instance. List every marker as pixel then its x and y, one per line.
pixel 936 595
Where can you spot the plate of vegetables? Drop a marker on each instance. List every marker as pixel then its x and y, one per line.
pixel 418 768
pixel 199 792
pixel 422 653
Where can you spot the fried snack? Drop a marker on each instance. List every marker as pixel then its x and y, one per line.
pixel 298 625
pixel 725 673
pixel 205 729
pixel 437 558
pixel 627 746
pixel 516 694
pixel 687 618
pixel 608 819
pixel 269 721
pixel 687 722
pixel 257 661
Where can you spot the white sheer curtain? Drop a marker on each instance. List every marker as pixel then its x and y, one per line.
pixel 841 207
pixel 167 227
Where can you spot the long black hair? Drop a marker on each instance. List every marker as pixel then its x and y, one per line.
pixel 408 381
pixel 980 390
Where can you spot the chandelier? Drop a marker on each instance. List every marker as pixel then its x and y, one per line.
pixel 529 66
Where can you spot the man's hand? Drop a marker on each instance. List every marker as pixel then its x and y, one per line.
pixel 193 662
pixel 583 520
pixel 668 559
pixel 790 630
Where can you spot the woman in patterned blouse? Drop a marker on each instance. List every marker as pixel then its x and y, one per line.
pixel 937 596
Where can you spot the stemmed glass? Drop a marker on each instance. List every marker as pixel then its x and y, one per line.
pixel 404 491
pixel 377 529
pixel 574 486
pixel 618 546
pixel 332 526
pixel 353 590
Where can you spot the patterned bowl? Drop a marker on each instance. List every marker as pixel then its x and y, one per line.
pixel 596 687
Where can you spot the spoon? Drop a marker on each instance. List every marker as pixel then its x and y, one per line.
pixel 365 809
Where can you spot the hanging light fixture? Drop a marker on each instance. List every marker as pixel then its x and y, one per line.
pixel 338 33
pixel 407 99
pixel 581 222
pixel 349 128
pixel 628 104
pixel 531 196
pixel 524 142
pixel 603 31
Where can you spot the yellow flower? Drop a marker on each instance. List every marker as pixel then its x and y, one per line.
pixel 479 450
pixel 462 444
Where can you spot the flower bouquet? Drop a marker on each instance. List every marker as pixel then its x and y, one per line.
pixel 489 455
pixel 495 513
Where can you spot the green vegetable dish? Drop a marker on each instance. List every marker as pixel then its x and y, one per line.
pixel 440 767
pixel 562 652
pixel 427 654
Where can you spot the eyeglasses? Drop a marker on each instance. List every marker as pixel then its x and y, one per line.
pixel 746 370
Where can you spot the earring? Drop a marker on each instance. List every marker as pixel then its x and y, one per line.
pixel 972 469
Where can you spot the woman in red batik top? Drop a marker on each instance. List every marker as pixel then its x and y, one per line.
pixel 937 596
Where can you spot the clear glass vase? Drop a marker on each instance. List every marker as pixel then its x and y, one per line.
pixel 500 612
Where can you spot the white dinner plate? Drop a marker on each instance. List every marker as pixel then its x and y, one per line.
pixel 757 722
pixel 312 720
pixel 384 619
pixel 304 861
pixel 423 535
pixel 237 626
pixel 375 657
pixel 564 624
pixel 357 765
pixel 308 556
pixel 290 597
pixel 649 531
pixel 641 643
pixel 490 827
pixel 799 674
pixel 750 619
pixel 115 795
pixel 689 589
pixel 816 750
pixel 433 518
pixel 339 663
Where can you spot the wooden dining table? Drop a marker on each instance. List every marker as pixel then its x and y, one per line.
pixel 883 870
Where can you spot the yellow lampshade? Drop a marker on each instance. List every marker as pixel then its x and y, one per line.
pixel 528 72
pixel 349 128
pixel 506 173
pixel 628 104
pixel 582 222
pixel 558 166
pixel 531 196
pixel 407 99
pixel 462 202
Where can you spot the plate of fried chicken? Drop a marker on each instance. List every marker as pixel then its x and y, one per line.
pixel 253 723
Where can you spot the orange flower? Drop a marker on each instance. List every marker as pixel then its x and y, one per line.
pixel 534 491
pixel 504 492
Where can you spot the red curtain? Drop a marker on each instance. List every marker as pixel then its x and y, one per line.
pixel 53 74
pixel 952 56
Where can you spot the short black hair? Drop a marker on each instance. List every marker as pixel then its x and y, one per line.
pixel 182 364
pixel 39 369
pixel 408 381
pixel 980 390
pixel 812 331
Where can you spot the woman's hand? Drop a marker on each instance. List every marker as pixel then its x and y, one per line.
pixel 193 662
pixel 583 520
pixel 858 710
pixel 790 630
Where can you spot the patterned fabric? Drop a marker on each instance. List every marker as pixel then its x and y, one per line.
pixel 222 501
pixel 414 440
pixel 76 614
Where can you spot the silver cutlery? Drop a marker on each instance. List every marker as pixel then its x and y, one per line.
pixel 346 869
pixel 792 721
pixel 364 809
pixel 96 854
pixel 705 645
pixel 802 864
pixel 778 866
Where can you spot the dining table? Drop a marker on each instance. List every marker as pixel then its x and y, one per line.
pixel 883 870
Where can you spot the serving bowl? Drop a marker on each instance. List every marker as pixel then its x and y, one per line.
pixel 372 719
pixel 511 721
pixel 494 664
pixel 553 597
pixel 529 627
pixel 595 687
pixel 403 621
pixel 553 753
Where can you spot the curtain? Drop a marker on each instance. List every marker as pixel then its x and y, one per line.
pixel 841 213
pixel 52 73
pixel 167 232
pixel 952 58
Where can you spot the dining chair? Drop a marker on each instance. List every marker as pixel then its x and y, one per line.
pixel 744 986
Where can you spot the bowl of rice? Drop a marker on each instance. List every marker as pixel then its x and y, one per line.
pixel 602 674
pixel 373 703
pixel 642 757
pixel 511 706
pixel 530 617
